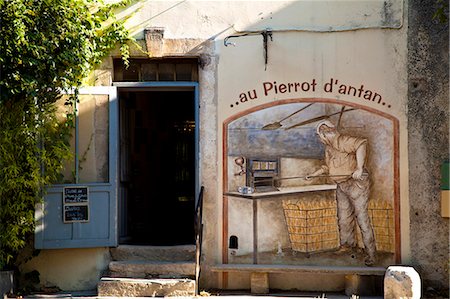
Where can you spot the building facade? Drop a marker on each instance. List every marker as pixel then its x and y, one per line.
pixel 228 95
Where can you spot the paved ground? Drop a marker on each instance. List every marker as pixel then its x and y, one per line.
pixel 224 295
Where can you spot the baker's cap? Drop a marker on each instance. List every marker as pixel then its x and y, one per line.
pixel 324 123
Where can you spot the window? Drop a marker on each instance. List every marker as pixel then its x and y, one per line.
pixel 177 69
pixel 90 139
pixel 93 168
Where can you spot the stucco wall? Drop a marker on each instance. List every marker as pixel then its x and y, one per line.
pixel 428 131
pixel 70 269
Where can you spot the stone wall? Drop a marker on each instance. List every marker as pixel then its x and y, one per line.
pixel 428 131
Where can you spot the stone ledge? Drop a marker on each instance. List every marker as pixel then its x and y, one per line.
pixel 259 280
pixel 144 269
pixel 345 270
pixel 154 253
pixel 127 287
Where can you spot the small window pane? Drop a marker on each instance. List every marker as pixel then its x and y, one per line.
pixel 132 72
pixel 93 131
pixel 184 72
pixel 195 73
pixel 93 140
pixel 166 72
pixel 68 172
pixel 118 70
pixel 149 72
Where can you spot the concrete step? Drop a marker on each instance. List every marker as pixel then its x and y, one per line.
pixel 153 253
pixel 128 287
pixel 149 269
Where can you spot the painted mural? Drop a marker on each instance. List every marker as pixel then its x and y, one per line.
pixel 312 182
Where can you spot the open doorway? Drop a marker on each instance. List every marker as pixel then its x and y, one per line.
pixel 157 166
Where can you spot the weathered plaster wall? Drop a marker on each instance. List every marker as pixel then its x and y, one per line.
pixel 70 269
pixel 209 162
pixel 428 131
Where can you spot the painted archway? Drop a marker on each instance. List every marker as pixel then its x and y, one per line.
pixel 271 149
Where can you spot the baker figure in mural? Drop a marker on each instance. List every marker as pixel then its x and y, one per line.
pixel 344 162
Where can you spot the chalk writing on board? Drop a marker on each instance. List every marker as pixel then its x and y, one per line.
pixel 76 213
pixel 76 195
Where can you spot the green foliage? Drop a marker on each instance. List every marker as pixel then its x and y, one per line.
pixel 47 47
pixel 441 13
pixel 32 142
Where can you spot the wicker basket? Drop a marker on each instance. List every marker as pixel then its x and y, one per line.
pixel 382 216
pixel 312 225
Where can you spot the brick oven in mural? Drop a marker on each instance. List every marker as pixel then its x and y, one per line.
pixel 312 182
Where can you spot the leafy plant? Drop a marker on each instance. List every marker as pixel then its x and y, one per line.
pixel 47 47
pixel 441 13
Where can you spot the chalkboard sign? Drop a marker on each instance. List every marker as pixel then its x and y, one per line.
pixel 76 213
pixel 74 195
pixel 76 204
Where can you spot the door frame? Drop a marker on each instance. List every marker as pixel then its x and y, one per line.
pixel 168 86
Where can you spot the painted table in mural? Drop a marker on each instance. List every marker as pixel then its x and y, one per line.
pixel 270 195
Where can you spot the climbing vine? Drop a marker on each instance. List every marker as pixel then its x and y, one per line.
pixel 47 48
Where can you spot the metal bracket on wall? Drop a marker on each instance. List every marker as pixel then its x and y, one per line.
pixel 265 34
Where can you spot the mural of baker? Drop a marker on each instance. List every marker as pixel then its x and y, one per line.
pixel 309 198
pixel 345 158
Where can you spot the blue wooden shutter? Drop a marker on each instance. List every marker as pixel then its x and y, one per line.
pixel 101 228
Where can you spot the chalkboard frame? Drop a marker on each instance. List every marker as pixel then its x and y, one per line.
pixel 82 191
pixel 68 219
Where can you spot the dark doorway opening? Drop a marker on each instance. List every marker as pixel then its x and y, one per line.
pixel 157 177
